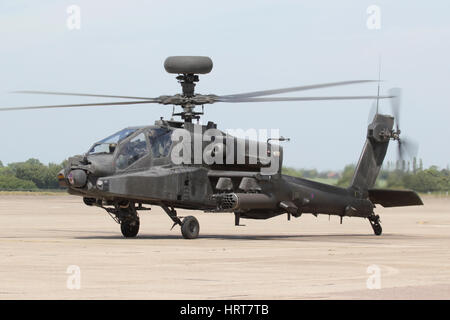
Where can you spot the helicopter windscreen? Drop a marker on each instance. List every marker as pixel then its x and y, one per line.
pixel 160 141
pixel 104 146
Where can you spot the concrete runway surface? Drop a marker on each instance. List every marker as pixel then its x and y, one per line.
pixel 305 258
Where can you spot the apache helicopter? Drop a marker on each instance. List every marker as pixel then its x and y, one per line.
pixel 134 167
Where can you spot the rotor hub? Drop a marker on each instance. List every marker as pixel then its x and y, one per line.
pixel 187 82
pixel 188 68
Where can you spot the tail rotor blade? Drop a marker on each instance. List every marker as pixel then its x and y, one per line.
pixel 395 104
pixel 410 147
pixel 399 150
pixel 407 149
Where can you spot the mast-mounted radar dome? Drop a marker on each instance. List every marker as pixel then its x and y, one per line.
pixel 188 65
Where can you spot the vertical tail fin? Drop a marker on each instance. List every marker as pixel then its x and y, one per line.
pixel 374 151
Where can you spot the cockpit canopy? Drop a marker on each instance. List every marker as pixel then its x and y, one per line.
pixel 108 144
pixel 132 144
pixel 141 147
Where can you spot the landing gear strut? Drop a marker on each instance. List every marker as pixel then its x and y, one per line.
pixel 190 227
pixel 375 223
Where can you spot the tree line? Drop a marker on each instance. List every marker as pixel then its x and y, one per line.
pixel 29 175
pixel 393 175
pixel 418 179
pixel 34 175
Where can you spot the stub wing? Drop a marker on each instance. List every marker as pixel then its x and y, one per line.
pixel 394 198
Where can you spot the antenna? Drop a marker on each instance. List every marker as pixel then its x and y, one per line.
pixel 379 78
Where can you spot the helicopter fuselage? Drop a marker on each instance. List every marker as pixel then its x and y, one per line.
pixel 141 166
pixel 140 169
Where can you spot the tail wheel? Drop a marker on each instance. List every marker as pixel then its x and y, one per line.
pixel 376 226
pixel 377 229
pixel 190 227
pixel 130 227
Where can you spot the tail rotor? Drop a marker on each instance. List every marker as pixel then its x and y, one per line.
pixel 405 146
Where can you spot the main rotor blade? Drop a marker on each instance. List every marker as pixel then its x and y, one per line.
pixel 76 105
pixel 80 94
pixel 279 99
pixel 293 89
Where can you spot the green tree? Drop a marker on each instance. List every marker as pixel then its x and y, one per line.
pixel 32 170
pixel 50 179
pixel 9 182
pixel 347 176
pixel 395 179
pixel 44 177
pixel 312 173
pixel 292 172
pixel 427 180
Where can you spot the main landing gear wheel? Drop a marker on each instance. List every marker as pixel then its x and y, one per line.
pixel 375 223
pixel 130 227
pixel 190 227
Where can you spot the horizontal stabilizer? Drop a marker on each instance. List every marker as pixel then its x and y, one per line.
pixel 394 198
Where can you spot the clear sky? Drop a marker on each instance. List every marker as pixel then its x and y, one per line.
pixel 255 45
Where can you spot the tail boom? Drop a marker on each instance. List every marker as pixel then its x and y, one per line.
pixel 374 151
